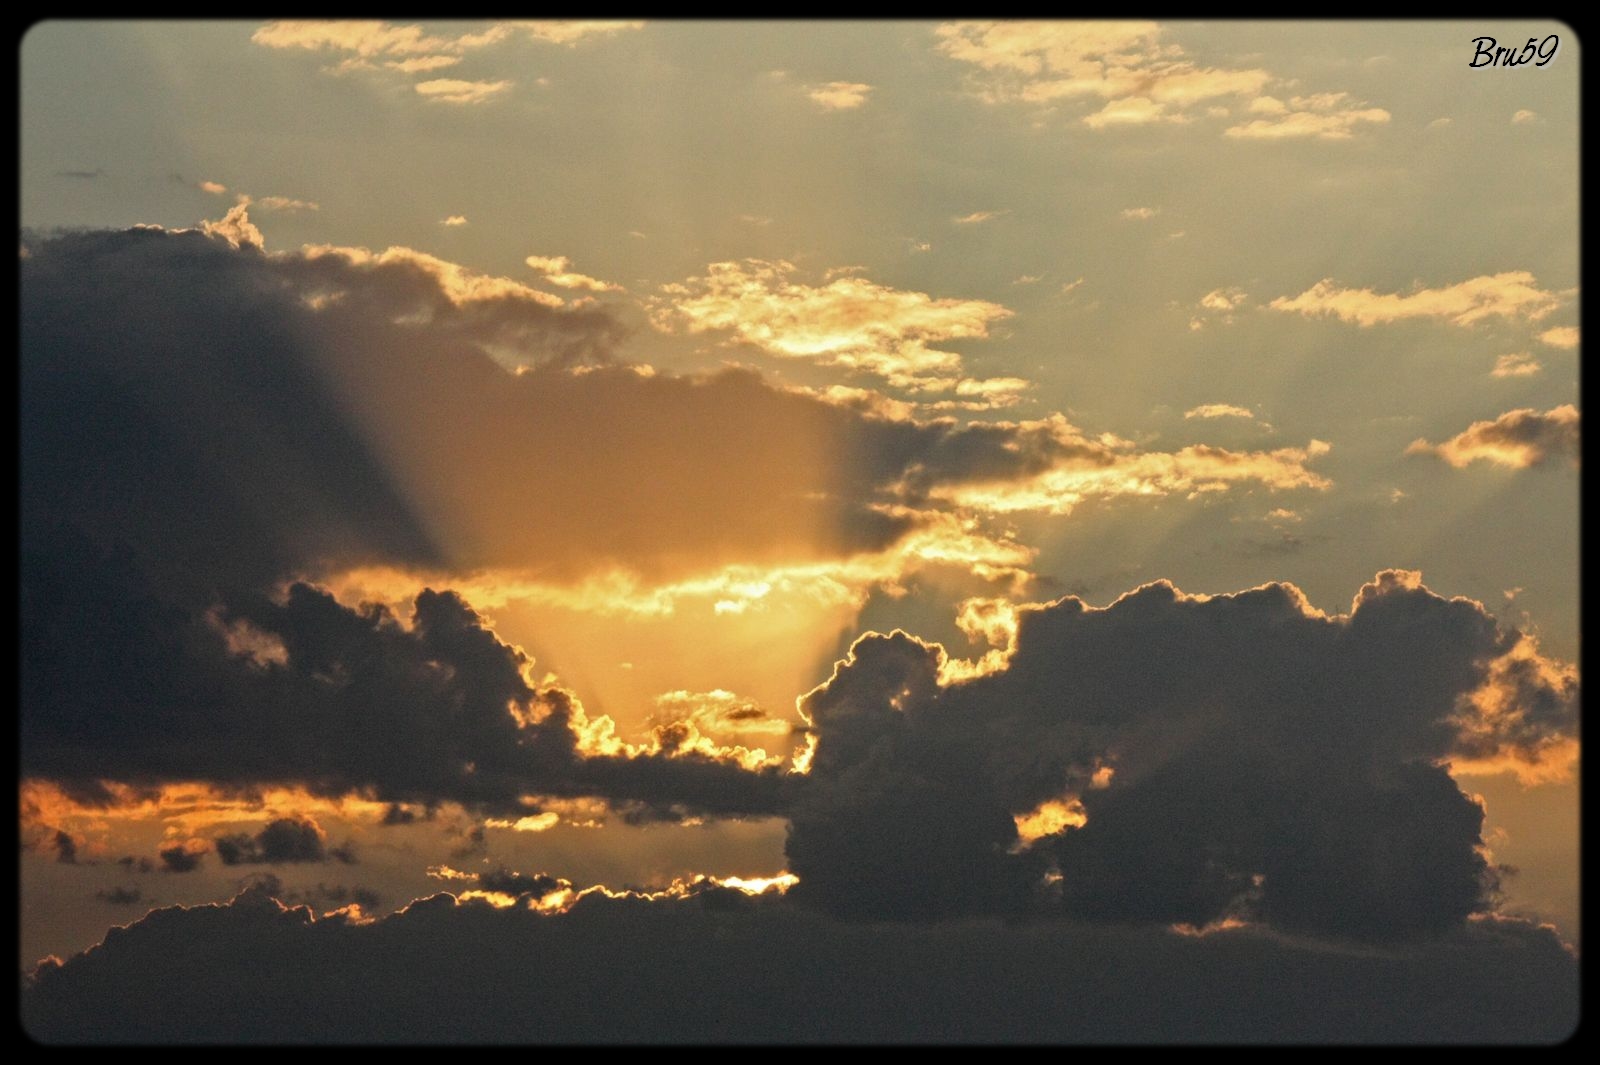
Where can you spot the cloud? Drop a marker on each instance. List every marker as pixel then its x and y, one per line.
pixel 283 840
pixel 120 896
pixel 556 270
pixel 423 63
pixel 279 203
pixel 1513 295
pixel 184 857
pixel 851 322
pixel 840 95
pixel 454 220
pixel 216 188
pixel 236 228
pixel 978 216
pixel 1518 439
pixel 1140 214
pixel 455 970
pixel 1142 79
pixel 1518 364
pixel 1241 757
pixel 570 32
pixel 1523 117
pixel 1325 116
pixel 1217 410
pixel 456 91
pixel 66 847
pixel 1562 336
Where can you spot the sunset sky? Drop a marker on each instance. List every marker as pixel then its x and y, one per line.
pixel 778 531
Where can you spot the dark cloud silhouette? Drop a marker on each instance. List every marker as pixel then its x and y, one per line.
pixel 1264 761
pixel 345 700
pixel 120 896
pixel 66 847
pixel 283 840
pixel 517 884
pixel 183 857
pixel 132 864
pixel 710 968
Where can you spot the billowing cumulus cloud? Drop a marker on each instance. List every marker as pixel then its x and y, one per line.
pixel 1513 295
pixel 456 970
pixel 1517 438
pixel 1238 758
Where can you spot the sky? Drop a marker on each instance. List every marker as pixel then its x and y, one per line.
pixel 799 531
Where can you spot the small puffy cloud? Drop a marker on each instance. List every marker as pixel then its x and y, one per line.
pixel 1217 410
pixel 1523 117
pixel 1028 279
pixel 976 217
pixel 454 220
pixel 1327 116
pixel 1222 299
pixel 216 188
pixel 1140 214
pixel 1517 364
pixel 1513 295
pixel 840 95
pixel 456 91
pixel 1562 336
pixel 557 271
pixel 183 857
pixel 1517 439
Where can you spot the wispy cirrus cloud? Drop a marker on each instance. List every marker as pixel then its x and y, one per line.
pixel 456 91
pixel 1513 295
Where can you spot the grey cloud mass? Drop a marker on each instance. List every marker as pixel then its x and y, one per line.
pixel 717 966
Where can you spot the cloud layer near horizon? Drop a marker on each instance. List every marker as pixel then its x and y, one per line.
pixel 716 966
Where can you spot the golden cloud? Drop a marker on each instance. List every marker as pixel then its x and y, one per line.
pixel 1513 295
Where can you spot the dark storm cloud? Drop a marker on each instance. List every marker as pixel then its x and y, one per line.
pixel 706 968
pixel 1268 763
